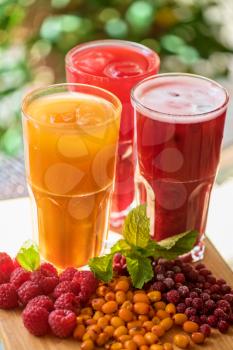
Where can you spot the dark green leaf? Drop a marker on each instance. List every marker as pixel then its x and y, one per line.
pixel 102 267
pixel 140 270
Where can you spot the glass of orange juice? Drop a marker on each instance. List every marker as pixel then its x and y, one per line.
pixel 70 140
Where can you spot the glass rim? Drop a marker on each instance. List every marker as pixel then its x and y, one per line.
pixel 112 42
pixel 37 91
pixel 136 103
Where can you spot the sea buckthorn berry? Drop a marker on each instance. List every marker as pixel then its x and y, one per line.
pixel 166 323
pixel 125 314
pixel 158 330
pixel 137 330
pixel 110 296
pixel 151 313
pixel 97 315
pixel 156 347
pixel 139 339
pixel 180 319
pixel 79 332
pixel 148 325
pixel 122 330
pixel 130 345
pixel 122 285
pixel 127 305
pixel 151 338
pixel 134 324
pixel 170 308
pixel 117 322
pixel 154 296
pixel 160 305
pixel 143 347
pixel 109 330
pixel 102 339
pixel 162 314
pixel 95 328
pixel 89 335
pixel 87 345
pixel 182 340
pixel 102 290
pixel 120 297
pixel 87 311
pixel 102 322
pixel 190 327
pixel 143 318
pixel 156 320
pixel 167 346
pixel 140 298
pixel 90 322
pixel 116 346
pixel 141 308
pixel 124 337
pixel 79 320
pixel 97 303
pixel 129 295
pixel 198 337
pixel 109 307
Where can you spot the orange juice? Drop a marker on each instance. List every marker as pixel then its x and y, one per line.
pixel 70 146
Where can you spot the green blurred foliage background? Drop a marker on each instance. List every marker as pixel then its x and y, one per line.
pixel 189 35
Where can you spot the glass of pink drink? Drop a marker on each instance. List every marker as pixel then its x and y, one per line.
pixel 117 66
pixel 180 122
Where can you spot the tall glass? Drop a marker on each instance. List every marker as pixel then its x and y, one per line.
pixel 70 137
pixel 117 66
pixel 180 123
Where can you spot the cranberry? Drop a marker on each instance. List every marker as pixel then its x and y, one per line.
pixel 207 285
pixel 187 268
pixel 179 278
pixel 188 301
pixel 205 329
pixel 229 298
pixel 181 307
pixel 201 279
pixel 170 274
pixel 212 321
pixel 221 281
pixel 197 290
pixel 224 305
pixel 160 269
pixel 203 319
pixel 211 279
pixel 173 296
pixel 197 303
pixel 200 266
pixel 192 275
pixel 225 288
pixel 160 277
pixel 193 295
pixel 220 314
pixel 223 326
pixel 190 311
pixel 160 286
pixel 230 319
pixel 169 282
pixel 205 296
pixel 215 288
pixel 176 269
pixel 183 291
pixel 195 319
pixel 162 261
pixel 204 272
pixel 216 297
pixel 209 305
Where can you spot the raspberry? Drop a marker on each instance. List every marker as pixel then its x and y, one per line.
pixel 67 301
pixel 6 267
pixel 179 278
pixel 35 319
pixel 27 291
pixel 62 322
pixel 88 284
pixel 173 296
pixel 67 274
pixel 41 301
pixel 223 326
pixel 19 276
pixel 48 270
pixel 205 329
pixel 46 283
pixel 8 296
pixel 15 263
pixel 61 288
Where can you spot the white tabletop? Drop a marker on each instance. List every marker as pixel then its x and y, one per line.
pixel 16 224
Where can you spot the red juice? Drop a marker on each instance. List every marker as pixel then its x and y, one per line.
pixel 117 66
pixel 180 123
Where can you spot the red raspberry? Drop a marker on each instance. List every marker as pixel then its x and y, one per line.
pixel 67 274
pixel 61 288
pixel 19 276
pixel 48 269
pixel 15 263
pixel 47 283
pixel 8 296
pixel 27 291
pixel 62 322
pixel 88 284
pixel 67 301
pixel 35 319
pixel 6 267
pixel 41 301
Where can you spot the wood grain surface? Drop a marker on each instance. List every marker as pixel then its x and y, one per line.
pixel 15 336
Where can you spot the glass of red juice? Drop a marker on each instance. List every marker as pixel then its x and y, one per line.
pixel 116 65
pixel 180 123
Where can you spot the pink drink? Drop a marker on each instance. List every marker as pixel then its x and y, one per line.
pixel 180 122
pixel 116 66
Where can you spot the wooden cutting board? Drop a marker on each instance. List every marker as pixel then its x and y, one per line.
pixel 16 337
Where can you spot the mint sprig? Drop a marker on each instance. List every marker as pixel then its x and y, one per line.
pixel 138 248
pixel 28 256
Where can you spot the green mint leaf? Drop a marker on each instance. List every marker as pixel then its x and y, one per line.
pixel 169 242
pixel 28 256
pixel 136 228
pixel 140 270
pixel 102 267
pixel 119 246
